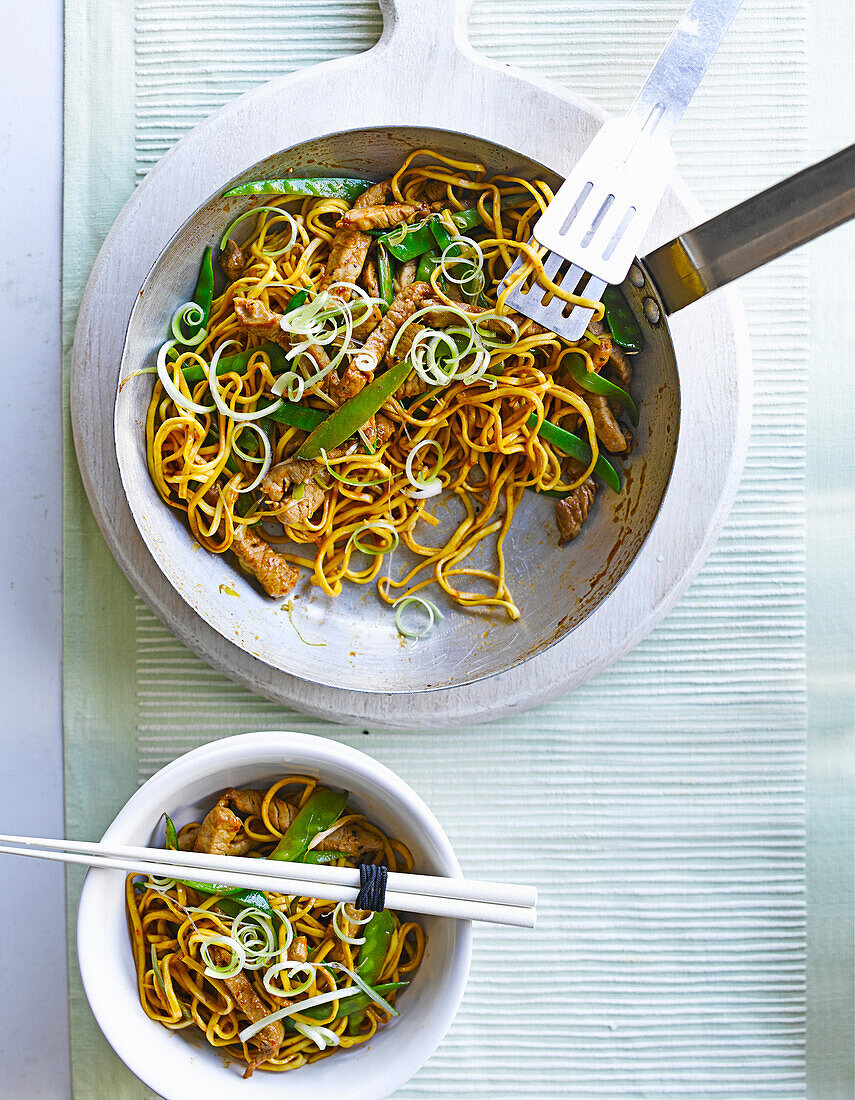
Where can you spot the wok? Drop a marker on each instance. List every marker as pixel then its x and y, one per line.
pixel 557 587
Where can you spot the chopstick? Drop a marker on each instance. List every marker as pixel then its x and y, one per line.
pixel 497 903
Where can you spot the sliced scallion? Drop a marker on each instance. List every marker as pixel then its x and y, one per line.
pixel 295 1010
pixel 427 486
pixel 322 1037
pixel 433 613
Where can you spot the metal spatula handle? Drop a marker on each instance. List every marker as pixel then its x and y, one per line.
pixel 675 77
pixel 599 216
pixel 787 215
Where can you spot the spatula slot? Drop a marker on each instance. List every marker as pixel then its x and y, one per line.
pixel 598 220
pixel 619 232
pixel 577 206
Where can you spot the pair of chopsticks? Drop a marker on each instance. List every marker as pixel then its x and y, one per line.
pixel 463 899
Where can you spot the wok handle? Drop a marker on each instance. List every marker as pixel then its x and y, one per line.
pixel 787 215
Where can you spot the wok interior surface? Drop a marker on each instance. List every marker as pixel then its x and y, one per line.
pixel 351 641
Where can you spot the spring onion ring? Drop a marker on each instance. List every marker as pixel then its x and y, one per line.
pixel 434 615
pixel 191 313
pixel 424 487
pixel 235 964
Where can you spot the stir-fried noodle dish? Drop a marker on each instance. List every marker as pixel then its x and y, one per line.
pixel 359 361
pixel 273 981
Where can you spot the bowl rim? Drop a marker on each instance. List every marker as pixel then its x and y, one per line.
pixel 263 747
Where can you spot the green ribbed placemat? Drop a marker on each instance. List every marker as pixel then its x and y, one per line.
pixel 661 809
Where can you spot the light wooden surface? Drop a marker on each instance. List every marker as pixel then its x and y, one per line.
pixel 421 73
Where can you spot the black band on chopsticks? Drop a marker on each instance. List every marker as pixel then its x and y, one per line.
pixel 372 887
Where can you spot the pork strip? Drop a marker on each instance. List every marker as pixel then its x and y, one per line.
pixel 299 950
pixel 364 329
pixel 572 511
pixel 275 575
pixel 405 275
pixel 356 842
pixel 232 260
pixel 294 471
pixel 376 195
pixel 402 308
pixel 249 802
pixel 607 428
pixel 412 386
pixel 382 217
pixel 369 281
pixel 436 191
pixel 347 256
pixel 217 831
pixel 360 370
pixel 618 360
pixel 257 319
pixel 269 1039
pixel 350 247
pixel 295 513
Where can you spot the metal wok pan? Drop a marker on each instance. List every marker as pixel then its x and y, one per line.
pixel 557 588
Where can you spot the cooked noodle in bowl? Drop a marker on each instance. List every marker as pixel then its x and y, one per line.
pixel 273 981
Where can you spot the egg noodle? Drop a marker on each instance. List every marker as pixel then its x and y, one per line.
pixel 203 962
pixel 485 450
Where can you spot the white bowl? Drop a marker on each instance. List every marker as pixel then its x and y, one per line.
pixel 180 1070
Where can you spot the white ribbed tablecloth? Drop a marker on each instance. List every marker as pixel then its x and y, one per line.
pixel 661 809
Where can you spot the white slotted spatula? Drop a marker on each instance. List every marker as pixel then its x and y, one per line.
pixel 594 226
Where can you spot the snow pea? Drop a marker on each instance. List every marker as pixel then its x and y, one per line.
pixel 357 1003
pixel 320 812
pixel 297 300
pixel 353 414
pixel 325 187
pixel 384 276
pixel 171 835
pixel 428 262
pixel 295 416
pixel 594 383
pixel 577 448
pixel 623 326
pixel 414 241
pixel 440 233
pixel 244 898
pixel 372 954
pixel 203 295
pixel 323 857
